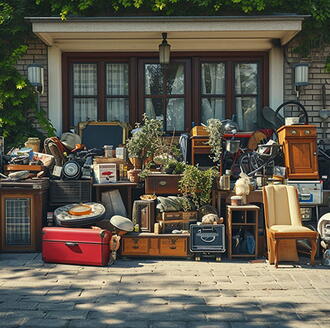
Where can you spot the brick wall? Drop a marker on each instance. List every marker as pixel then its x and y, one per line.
pixel 311 95
pixel 36 53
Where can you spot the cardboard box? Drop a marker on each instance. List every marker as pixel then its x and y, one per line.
pixel 105 173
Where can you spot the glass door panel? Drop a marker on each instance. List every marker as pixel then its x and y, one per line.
pixel 246 95
pixel 117 102
pixel 84 92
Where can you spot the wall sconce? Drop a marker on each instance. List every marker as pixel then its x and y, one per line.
pixel 300 76
pixel 36 78
pixel 164 50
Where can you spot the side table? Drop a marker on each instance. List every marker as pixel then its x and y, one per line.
pixel 242 217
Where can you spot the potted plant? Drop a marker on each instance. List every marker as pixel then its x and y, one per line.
pixel 197 184
pixel 144 141
pixel 215 130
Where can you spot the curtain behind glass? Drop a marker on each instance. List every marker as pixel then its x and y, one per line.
pixel 213 84
pixel 84 92
pixel 173 75
pixel 116 86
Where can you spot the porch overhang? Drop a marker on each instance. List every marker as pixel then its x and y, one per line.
pixel 211 33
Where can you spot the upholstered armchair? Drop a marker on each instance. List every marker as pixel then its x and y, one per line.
pixel 283 224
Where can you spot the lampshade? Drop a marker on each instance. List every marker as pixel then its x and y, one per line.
pixel 164 50
pixel 301 74
pixel 36 76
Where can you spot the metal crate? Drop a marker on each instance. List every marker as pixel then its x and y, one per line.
pixel 62 192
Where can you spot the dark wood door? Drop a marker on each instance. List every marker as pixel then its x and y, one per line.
pixel 302 158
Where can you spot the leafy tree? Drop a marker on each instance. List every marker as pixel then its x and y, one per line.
pixel 16 94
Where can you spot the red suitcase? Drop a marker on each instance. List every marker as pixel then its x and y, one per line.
pixel 75 246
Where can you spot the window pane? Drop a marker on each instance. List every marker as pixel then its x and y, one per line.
pixel 246 79
pixel 213 108
pixel 153 79
pixel 117 109
pixel 154 108
pixel 246 110
pixel 84 80
pixel 84 109
pixel 175 115
pixel 117 79
pixel 213 78
pixel 175 79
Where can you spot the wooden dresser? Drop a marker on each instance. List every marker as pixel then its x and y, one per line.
pixel 300 151
pixel 149 244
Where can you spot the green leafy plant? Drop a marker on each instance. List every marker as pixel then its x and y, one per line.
pixel 196 185
pixel 216 131
pixel 146 140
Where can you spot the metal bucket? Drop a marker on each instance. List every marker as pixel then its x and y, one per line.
pixel 232 146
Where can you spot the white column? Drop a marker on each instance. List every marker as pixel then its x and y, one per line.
pixel 55 88
pixel 276 79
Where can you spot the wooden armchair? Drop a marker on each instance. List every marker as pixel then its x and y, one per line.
pixel 283 224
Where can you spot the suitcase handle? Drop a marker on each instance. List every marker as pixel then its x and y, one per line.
pixel 70 244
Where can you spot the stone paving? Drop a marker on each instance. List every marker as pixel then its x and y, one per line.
pixel 162 293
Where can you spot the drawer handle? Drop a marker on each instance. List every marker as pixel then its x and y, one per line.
pixel 293 132
pixel 172 247
pixel 163 183
pixel 70 244
pixel 135 246
pixel 307 132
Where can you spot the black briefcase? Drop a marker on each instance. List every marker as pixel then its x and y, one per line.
pixel 207 238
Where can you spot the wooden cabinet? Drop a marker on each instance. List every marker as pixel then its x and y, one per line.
pixel 22 209
pixel 144 212
pixel 148 244
pixel 300 151
pixel 242 220
pixel 161 184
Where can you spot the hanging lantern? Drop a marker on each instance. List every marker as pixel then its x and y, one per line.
pixel 164 50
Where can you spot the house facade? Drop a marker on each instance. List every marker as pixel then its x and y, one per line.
pixel 108 69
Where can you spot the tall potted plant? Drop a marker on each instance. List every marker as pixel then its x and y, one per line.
pixel 145 140
pixel 215 130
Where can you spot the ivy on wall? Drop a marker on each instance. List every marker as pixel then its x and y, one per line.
pixel 16 95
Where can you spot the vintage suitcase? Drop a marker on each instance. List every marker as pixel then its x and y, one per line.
pixel 160 184
pixel 207 238
pixel 75 246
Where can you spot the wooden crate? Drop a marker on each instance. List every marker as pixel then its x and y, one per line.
pixel 198 130
pixel 180 215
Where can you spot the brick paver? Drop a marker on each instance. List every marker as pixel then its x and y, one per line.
pixel 162 293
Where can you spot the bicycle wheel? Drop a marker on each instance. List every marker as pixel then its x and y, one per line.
pixel 250 163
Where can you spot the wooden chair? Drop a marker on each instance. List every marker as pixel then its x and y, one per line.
pixel 283 224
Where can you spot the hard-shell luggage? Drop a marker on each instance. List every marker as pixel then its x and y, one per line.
pixel 75 246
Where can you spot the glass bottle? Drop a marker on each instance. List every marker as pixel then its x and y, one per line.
pixel 224 182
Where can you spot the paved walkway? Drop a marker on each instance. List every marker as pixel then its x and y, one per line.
pixel 159 294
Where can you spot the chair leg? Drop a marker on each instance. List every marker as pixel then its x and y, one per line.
pixel 276 243
pixel 313 251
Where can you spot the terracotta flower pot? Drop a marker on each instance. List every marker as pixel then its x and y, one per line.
pixel 136 161
pixel 133 175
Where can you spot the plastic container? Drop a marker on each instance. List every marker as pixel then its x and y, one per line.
pixel 108 151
